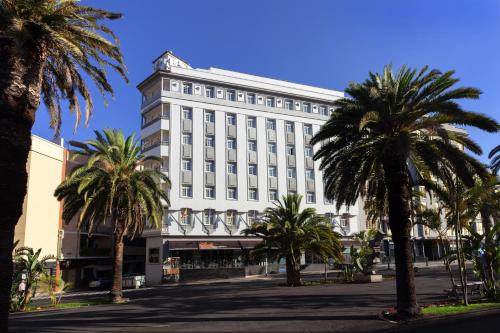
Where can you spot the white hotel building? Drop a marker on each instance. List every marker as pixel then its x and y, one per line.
pixel 231 144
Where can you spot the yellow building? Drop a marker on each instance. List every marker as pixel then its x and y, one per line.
pixel 39 225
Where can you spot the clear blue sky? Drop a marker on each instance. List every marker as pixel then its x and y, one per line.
pixel 326 43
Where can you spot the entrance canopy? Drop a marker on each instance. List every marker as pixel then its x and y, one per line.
pixel 212 245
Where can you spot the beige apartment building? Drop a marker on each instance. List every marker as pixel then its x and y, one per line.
pixel 40 223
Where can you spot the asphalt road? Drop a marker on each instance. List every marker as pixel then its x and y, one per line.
pixel 257 306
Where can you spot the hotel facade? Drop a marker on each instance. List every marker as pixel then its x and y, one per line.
pixel 231 144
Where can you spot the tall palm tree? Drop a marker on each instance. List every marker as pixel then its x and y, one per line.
pixel 47 48
pixel 291 231
pixel 495 159
pixel 389 126
pixel 114 186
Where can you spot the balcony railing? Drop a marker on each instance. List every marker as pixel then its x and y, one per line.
pixel 146 147
pixel 152 121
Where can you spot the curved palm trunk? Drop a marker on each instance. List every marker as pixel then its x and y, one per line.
pixel 293 271
pixel 116 289
pixel 446 260
pixel 398 189
pixel 20 85
pixel 461 262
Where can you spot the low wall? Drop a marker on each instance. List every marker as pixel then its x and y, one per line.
pixel 211 273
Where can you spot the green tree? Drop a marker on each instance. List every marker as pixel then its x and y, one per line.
pixel 433 219
pixel 386 129
pixel 30 264
pixel 484 201
pixel 113 185
pixel 48 48
pixel 495 159
pixel 291 231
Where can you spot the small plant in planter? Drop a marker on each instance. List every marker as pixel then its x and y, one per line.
pixel 363 258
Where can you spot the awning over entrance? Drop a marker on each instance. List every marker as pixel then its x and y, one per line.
pixel 250 244
pixel 219 245
pixel 212 245
pixel 182 245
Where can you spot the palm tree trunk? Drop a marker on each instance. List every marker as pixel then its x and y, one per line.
pixel 293 271
pixel 399 194
pixel 20 86
pixel 461 262
pixel 446 261
pixel 116 289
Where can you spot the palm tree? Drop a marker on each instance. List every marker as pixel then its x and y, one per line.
pixel 291 231
pixel 33 266
pixel 483 200
pixel 432 219
pixel 388 127
pixel 47 48
pixel 114 186
pixel 495 159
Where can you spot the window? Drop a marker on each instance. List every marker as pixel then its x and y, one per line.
pixel 231 119
pixel 209 116
pixel 289 127
pixel 273 195
pixel 251 122
pixel 209 141
pixel 231 216
pixel 186 215
pixel 253 194
pixel 231 144
pixel 209 166
pixel 187 139
pixel 290 150
pixel 210 92
pixel 253 216
pixel 344 221
pixel 231 95
pixel 271 124
pixel 307 107
pixel 186 191
pixel 288 104
pixel 232 193
pixel 310 198
pixel 187 113
pixel 154 255
pixel 187 88
pixel 271 171
pixel 209 192
pixel 231 168
pixel 252 169
pixel 251 98
pixel 252 145
pixel 291 173
pixel 309 174
pixel 208 216
pixel 323 110
pixel 271 148
pixel 270 102
pixel 308 151
pixel 186 165
pixel 308 130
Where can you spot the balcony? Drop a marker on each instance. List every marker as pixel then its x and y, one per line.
pixel 149 146
pixel 152 121
pixel 147 100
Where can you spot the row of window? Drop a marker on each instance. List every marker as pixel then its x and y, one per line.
pixel 232 193
pixel 209 216
pixel 252 98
